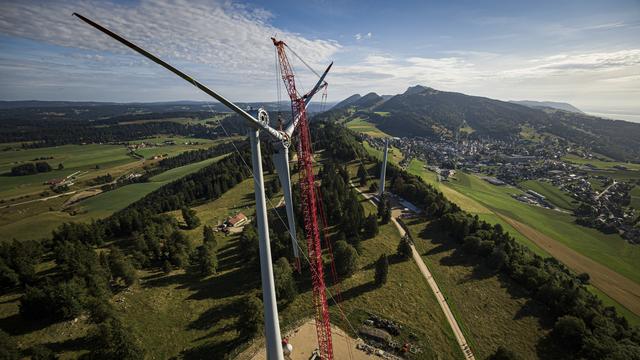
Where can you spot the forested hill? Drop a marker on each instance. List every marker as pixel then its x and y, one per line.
pixel 424 111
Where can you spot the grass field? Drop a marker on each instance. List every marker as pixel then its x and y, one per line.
pixel 609 250
pixel 492 312
pixel 365 127
pixel 599 163
pixel 556 196
pixel 168 313
pixel 37 220
pixel 635 197
pixel 73 157
pixel 477 196
pixel 394 155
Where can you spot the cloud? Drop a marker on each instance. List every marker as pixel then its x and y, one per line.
pixel 360 36
pixel 589 79
pixel 563 64
pixel 223 34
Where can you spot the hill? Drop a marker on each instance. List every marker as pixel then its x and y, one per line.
pixel 548 104
pixel 347 102
pixel 370 100
pixel 427 112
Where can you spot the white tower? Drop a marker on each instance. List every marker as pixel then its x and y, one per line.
pixel 383 168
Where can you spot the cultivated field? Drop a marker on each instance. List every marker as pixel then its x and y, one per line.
pixel 37 219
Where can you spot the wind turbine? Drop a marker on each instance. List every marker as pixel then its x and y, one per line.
pixel 257 120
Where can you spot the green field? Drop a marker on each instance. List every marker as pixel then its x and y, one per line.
pixel 554 195
pixel 172 150
pixel 475 195
pixel 635 197
pixel 395 155
pixel 365 127
pixel 491 312
pixel 610 250
pixel 39 219
pixel 599 163
pixel 73 157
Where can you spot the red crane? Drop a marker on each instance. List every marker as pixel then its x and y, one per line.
pixel 309 202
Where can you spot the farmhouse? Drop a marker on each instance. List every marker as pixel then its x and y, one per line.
pixel 238 220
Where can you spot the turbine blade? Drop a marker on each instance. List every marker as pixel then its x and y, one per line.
pixel 307 99
pixel 251 120
pixel 281 161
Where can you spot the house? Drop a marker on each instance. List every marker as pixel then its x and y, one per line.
pixel 55 182
pixel 238 220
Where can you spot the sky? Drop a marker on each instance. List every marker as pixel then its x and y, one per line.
pixel 586 53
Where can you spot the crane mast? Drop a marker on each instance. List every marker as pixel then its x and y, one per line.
pixel 309 203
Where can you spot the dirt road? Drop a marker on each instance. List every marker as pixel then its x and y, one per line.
pixel 462 342
pixel 622 289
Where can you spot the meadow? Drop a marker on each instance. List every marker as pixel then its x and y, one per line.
pixel 365 127
pixel 491 312
pixel 37 220
pixel 554 195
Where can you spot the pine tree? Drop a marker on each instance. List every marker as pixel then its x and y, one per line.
pixel 285 284
pixel 384 210
pixel 382 270
pixel 371 226
pixel 190 218
pixel 209 236
pixel 114 341
pixel 120 267
pixel 362 175
pixel 204 261
pixel 251 318
pixel 404 248
pixel 346 258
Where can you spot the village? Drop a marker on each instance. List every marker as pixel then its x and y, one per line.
pixel 604 202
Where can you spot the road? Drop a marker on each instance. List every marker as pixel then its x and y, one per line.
pixel 58 195
pixel 462 342
pixel 605 190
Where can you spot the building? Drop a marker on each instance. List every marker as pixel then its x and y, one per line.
pixel 238 220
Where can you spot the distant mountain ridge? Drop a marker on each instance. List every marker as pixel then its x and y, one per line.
pixel 428 112
pixel 548 104
pixel 163 105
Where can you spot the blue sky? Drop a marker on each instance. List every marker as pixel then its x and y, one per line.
pixel 583 52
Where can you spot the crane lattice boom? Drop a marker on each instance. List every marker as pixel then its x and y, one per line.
pixel 309 204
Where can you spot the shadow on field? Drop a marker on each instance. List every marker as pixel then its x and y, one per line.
pixel 77 344
pixel 231 283
pixel 358 290
pixel 211 317
pixel 211 350
pixel 228 255
pixel 166 280
pixel 17 325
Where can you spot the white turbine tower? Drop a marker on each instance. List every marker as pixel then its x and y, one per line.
pixel 257 120
pixel 383 168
